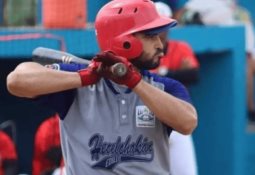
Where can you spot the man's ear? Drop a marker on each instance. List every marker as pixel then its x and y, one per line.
pixel 127 46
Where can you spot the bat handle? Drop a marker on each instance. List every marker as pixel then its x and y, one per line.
pixel 119 69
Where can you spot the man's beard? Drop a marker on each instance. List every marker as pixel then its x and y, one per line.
pixel 144 64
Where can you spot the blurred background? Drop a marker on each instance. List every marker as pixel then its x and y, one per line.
pixel 225 137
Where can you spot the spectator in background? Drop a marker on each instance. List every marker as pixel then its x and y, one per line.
pixel 226 12
pixel 175 5
pixel 47 149
pixel 8 155
pixel 180 63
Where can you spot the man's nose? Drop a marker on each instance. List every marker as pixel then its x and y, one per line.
pixel 159 44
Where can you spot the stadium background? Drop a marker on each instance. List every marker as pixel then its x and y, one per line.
pixel 224 141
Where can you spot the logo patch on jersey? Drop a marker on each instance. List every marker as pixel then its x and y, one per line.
pixel 108 154
pixel 144 117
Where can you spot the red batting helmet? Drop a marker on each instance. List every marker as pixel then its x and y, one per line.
pixel 119 19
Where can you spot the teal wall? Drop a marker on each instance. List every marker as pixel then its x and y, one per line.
pixel 93 8
pixel 219 98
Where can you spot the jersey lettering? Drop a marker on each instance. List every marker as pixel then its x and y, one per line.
pixel 108 154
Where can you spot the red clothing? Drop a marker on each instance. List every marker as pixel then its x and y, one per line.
pixel 47 136
pixel 7 150
pixel 177 52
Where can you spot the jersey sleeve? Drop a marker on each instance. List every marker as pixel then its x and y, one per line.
pixel 74 67
pixel 176 89
pixel 58 102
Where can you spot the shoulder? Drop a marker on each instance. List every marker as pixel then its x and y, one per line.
pixel 169 85
pixel 58 102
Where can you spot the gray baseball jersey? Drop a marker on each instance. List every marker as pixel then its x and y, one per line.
pixel 107 129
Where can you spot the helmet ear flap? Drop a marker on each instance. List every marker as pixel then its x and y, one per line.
pixel 127 46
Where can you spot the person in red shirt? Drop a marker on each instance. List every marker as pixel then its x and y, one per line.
pixel 47 149
pixel 179 62
pixel 8 155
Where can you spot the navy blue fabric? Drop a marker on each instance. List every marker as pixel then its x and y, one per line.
pixel 74 67
pixel 59 102
pixel 157 30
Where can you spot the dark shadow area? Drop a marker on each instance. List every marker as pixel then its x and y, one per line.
pixel 23 112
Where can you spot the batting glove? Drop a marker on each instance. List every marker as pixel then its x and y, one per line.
pixel 108 59
pixel 90 75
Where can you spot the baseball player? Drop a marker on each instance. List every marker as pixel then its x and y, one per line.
pixel 109 124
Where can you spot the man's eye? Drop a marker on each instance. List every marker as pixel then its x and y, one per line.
pixel 150 35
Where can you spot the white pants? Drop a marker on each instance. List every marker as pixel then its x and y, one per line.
pixel 182 155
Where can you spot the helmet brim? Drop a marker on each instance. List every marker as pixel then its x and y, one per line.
pixel 158 30
pixel 156 26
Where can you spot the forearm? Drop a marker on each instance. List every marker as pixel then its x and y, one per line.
pixel 176 113
pixel 32 79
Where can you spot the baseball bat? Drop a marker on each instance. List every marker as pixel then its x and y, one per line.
pixel 45 56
